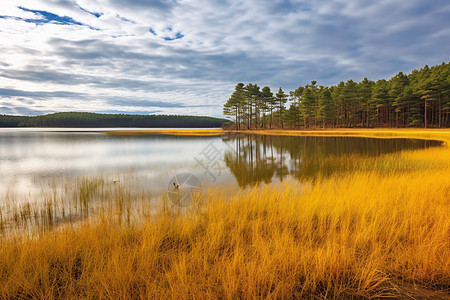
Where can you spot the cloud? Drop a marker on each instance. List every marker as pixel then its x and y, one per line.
pixel 186 56
pixel 38 94
pixel 143 103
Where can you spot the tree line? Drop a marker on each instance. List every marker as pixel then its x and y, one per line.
pixel 85 119
pixel 418 99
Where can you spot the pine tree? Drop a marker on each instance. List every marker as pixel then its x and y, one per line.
pixel 399 94
pixel 365 94
pixel 281 99
pixel 326 107
pixel 380 98
pixel 269 101
pixel 296 97
pixel 234 104
pixel 307 107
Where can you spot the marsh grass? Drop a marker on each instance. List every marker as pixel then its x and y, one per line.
pixel 371 227
pixel 71 200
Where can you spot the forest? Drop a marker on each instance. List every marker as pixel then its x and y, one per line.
pixel 85 119
pixel 418 99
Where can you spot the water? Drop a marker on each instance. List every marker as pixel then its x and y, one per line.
pixel 264 158
pixel 31 157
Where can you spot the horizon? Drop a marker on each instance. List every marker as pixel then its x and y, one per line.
pixel 185 57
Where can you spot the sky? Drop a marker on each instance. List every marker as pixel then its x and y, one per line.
pixel 186 56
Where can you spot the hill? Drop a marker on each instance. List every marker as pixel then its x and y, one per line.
pixel 85 119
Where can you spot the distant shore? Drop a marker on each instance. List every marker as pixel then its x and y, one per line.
pixel 200 132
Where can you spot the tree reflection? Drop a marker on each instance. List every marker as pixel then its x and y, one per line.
pixel 263 158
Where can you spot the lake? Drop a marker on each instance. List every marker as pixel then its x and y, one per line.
pixel 31 159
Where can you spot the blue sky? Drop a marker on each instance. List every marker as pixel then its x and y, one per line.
pixel 186 56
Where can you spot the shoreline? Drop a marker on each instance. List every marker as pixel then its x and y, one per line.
pixel 440 134
pixel 199 132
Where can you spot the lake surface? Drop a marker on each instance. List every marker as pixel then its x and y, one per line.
pixel 29 157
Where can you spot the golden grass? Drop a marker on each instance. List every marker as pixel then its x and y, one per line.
pixel 379 228
pixel 426 134
pixel 439 134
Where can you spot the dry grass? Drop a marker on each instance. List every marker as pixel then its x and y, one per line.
pixel 431 134
pixel 439 134
pixel 379 228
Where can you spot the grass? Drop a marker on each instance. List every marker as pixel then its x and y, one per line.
pixel 439 134
pixel 71 200
pixel 378 228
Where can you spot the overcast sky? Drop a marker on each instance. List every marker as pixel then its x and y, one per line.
pixel 186 56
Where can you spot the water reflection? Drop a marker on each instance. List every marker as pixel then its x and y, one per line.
pixel 29 157
pixel 264 158
pixel 48 178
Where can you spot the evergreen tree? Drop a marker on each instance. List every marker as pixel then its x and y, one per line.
pixel 234 104
pixel 326 107
pixel 252 94
pixel 281 99
pixel 296 97
pixel 399 94
pixel 269 101
pixel 365 94
pixel 308 106
pixel 380 98
pixel 339 99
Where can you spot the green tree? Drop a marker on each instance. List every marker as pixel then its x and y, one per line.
pixel 326 107
pixel 234 104
pixel 281 99
pixel 351 104
pixel 252 93
pixel 380 99
pixel 399 93
pixel 365 93
pixel 269 102
pixel 295 112
pixel 308 106
pixel 339 100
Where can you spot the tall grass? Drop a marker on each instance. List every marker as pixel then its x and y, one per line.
pixel 380 227
pixel 68 200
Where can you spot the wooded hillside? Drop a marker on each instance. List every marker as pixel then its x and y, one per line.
pixel 84 119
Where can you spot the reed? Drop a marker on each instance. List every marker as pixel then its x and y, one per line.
pixel 378 227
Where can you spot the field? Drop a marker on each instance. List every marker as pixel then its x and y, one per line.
pixel 379 227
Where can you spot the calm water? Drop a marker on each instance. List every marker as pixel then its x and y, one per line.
pixel 29 156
